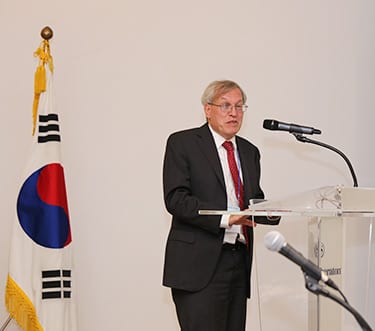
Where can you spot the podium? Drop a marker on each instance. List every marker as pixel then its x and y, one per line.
pixel 340 240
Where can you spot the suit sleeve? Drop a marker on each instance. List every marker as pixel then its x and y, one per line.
pixel 184 196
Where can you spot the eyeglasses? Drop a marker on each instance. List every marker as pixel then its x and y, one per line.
pixel 227 107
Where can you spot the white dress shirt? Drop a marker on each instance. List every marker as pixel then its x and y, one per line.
pixel 235 231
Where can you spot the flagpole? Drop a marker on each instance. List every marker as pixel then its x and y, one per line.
pixel 46 34
pixel 3 327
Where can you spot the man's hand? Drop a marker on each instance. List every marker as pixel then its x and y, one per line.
pixel 241 219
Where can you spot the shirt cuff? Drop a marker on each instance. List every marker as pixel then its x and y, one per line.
pixel 224 223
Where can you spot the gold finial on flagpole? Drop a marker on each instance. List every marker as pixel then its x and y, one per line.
pixel 46 33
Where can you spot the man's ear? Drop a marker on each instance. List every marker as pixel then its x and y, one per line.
pixel 207 110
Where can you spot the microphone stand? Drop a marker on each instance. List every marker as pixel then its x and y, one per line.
pixel 313 286
pixel 304 139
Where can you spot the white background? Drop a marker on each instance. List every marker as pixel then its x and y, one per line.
pixel 128 73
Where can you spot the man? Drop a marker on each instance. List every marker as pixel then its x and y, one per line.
pixel 208 258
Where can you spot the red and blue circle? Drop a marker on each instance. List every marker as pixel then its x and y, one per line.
pixel 42 207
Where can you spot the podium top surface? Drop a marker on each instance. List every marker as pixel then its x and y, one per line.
pixel 328 201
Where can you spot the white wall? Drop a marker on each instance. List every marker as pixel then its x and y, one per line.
pixel 128 73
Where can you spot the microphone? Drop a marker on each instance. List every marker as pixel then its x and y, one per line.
pixel 292 128
pixel 275 241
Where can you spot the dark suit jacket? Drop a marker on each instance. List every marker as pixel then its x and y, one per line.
pixel 193 180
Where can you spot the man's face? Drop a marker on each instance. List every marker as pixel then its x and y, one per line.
pixel 225 123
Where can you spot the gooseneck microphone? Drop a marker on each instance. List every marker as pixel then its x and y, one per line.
pixel 275 241
pixel 299 130
pixel 292 128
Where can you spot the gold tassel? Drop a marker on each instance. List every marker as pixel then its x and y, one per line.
pixel 40 77
pixel 20 307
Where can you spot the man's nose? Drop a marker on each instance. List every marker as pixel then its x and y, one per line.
pixel 233 111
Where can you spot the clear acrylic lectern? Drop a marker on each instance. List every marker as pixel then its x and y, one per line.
pixel 341 241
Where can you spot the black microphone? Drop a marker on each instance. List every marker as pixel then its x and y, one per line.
pixel 275 241
pixel 292 128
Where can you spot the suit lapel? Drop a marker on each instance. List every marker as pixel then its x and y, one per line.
pixel 245 168
pixel 207 145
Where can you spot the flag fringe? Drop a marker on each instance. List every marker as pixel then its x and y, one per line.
pixel 20 307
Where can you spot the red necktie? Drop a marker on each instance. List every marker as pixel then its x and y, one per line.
pixel 228 145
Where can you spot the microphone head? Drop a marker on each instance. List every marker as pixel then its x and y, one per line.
pixel 316 131
pixel 270 124
pixel 274 241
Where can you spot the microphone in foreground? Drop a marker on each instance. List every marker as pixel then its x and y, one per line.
pixel 292 128
pixel 275 241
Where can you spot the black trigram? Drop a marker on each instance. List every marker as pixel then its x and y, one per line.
pixel 56 284
pixel 49 129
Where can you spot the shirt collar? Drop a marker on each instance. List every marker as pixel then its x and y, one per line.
pixel 219 139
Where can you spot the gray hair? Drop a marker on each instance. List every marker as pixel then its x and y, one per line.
pixel 218 88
